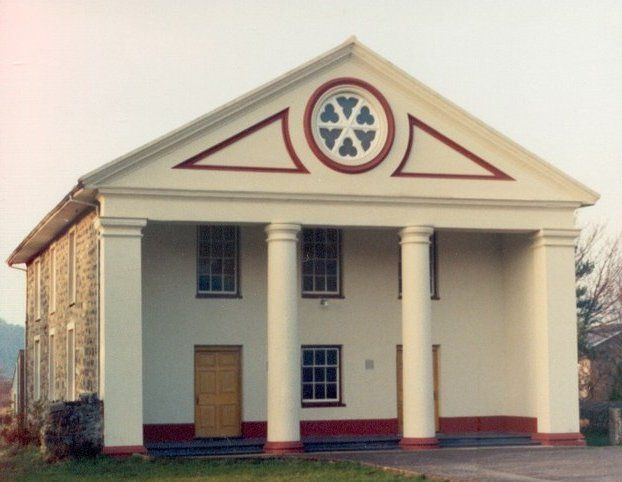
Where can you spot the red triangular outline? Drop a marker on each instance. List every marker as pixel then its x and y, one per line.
pixel 298 168
pixel 495 174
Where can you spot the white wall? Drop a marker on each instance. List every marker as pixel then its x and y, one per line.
pixel 468 323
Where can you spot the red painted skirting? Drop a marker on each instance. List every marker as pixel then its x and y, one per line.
pixel 554 439
pixel 168 432
pixel 488 424
pixel 254 429
pixel 281 448
pixel 412 443
pixel 386 426
pixel 124 450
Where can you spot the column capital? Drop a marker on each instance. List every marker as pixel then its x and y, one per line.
pixel 282 232
pixel 416 234
pixel 120 227
pixel 555 237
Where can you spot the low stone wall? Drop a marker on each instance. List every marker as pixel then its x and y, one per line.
pixel 73 429
pixel 595 415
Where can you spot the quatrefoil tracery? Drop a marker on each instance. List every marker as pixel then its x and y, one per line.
pixel 347 125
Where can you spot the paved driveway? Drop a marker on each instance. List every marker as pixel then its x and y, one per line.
pixel 500 464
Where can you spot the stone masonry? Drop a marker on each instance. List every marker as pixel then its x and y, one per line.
pixel 83 313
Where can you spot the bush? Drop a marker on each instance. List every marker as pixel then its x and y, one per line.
pixel 13 434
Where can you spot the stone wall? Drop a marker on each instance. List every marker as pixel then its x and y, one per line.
pixel 83 313
pixel 73 429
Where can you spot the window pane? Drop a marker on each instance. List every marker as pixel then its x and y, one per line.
pixel 229 249
pixel 331 357
pixel 320 235
pixel 307 235
pixel 320 374
pixel 307 374
pixel 307 357
pixel 331 391
pixel 216 283
pixel 229 233
pixel 320 267
pixel 203 283
pixel 331 283
pixel 320 357
pixel 307 267
pixel 331 267
pixel 332 235
pixel 217 266
pixel 217 250
pixel 217 233
pixel 307 283
pixel 307 391
pixel 229 266
pixel 331 251
pixel 320 251
pixel 229 283
pixel 320 393
pixel 331 374
pixel 320 284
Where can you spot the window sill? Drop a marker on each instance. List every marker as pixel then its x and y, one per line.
pixel 434 298
pixel 219 295
pixel 322 404
pixel 326 296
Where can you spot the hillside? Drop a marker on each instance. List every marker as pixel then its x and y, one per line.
pixel 11 340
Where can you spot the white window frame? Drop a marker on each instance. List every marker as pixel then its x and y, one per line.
pixel 37 290
pixel 311 402
pixel 210 236
pixel 52 293
pixel 36 359
pixel 315 267
pixel 70 390
pixel 72 277
pixel 52 365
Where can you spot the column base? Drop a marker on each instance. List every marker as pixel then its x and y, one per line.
pixel 412 443
pixel 560 439
pixel 283 448
pixel 124 450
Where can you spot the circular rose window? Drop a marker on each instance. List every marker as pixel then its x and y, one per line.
pixel 349 125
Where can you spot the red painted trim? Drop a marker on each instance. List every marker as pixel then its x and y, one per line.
pixel 327 428
pixel 560 439
pixel 411 443
pixel 283 117
pixel 495 174
pixel 124 450
pixel 308 126
pixel 254 429
pixel 283 448
pixel 488 424
pixel 168 432
pixel 348 427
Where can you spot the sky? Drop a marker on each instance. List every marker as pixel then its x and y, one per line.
pixel 83 82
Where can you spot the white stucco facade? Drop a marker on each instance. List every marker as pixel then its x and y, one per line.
pixel 414 166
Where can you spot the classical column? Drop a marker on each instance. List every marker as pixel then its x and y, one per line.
pixel 555 337
pixel 120 325
pixel 418 384
pixel 283 343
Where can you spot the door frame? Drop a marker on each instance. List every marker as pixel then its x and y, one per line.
pixel 436 380
pixel 217 348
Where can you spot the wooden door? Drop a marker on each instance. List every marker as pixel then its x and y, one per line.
pixel 400 396
pixel 218 394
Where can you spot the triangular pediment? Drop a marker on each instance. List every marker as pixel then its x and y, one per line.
pixel 346 123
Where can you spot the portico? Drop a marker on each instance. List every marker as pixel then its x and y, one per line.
pixel 287 265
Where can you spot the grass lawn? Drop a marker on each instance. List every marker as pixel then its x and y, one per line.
pixel 26 464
